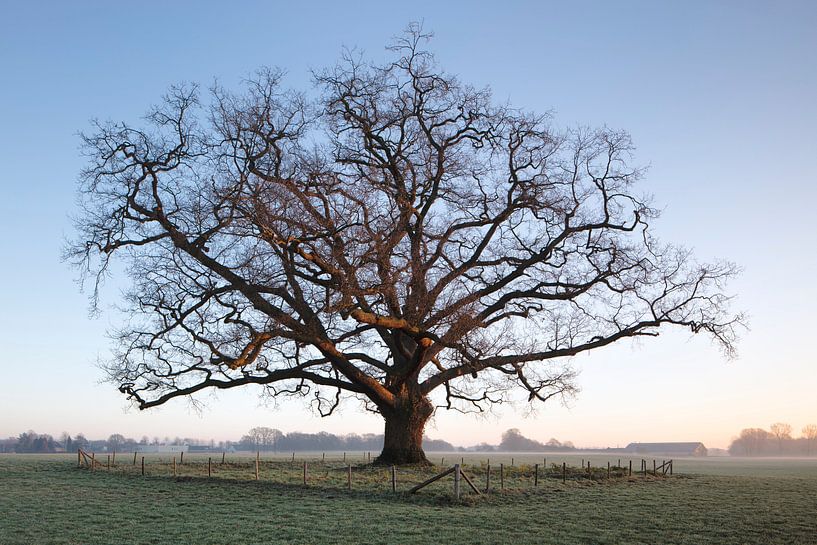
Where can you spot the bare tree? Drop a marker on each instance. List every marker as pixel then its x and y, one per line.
pixel 66 441
pixel 810 435
pixel 116 441
pixel 263 438
pixel 781 432
pixel 751 442
pixel 398 235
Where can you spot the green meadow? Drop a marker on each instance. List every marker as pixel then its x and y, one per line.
pixel 45 499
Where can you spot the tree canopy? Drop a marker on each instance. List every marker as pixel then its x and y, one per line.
pixel 393 233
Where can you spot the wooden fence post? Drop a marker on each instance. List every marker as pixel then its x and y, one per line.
pixel 93 461
pixel 564 472
pixel 654 472
pixel 223 456
pixel 134 457
pixel 536 475
pixel 109 463
pixel 304 472
pixel 488 478
pixel 349 476
pixel 502 476
pixel 511 462
pixel 670 468
pixel 256 468
pixel 442 461
pixel 209 466
pixel 143 466
pixel 323 458
pixel 608 470
pixel 630 474
pixel 344 457
pixel 457 481
pixel 393 479
pixel 293 458
pixel 113 460
pixel 79 461
pixel 181 458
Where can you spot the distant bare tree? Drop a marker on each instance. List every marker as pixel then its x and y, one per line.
pixel 400 235
pixel 66 441
pixel 810 435
pixel 781 432
pixel 262 438
pixel 116 441
pixel 80 441
pixel 752 442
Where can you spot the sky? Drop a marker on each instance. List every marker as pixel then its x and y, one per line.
pixel 719 97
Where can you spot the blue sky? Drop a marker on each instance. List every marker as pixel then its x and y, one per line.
pixel 718 96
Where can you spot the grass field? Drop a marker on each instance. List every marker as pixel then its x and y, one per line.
pixel 45 499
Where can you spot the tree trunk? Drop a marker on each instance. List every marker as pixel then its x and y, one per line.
pixel 403 439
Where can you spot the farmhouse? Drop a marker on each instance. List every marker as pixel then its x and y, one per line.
pixel 672 449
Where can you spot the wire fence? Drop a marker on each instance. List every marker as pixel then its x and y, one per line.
pixel 336 472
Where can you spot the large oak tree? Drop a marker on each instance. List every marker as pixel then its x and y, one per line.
pixel 395 234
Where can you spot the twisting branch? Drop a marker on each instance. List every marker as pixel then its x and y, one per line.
pixel 430 239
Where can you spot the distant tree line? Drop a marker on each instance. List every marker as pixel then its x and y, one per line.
pixel 514 441
pixel 33 442
pixel 267 439
pixel 777 441
pixel 270 439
